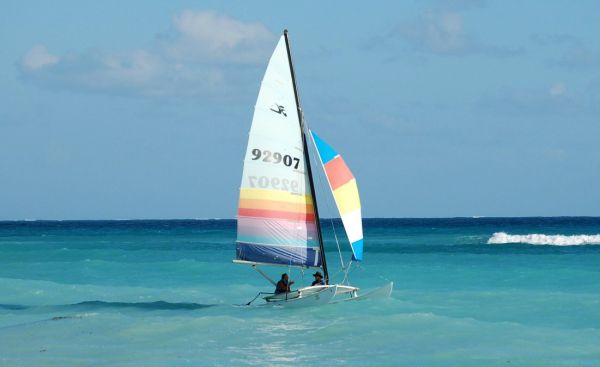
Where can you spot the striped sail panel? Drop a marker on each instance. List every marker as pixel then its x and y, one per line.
pixel 345 193
pixel 279 255
pixel 260 194
pixel 270 227
pixel 276 219
pixel 276 232
pixel 276 205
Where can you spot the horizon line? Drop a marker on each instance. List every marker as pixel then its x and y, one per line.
pixel 325 218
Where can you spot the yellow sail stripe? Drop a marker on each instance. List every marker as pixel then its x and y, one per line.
pixel 276 205
pixel 346 197
pixel 275 195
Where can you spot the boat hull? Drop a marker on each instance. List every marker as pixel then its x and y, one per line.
pixel 304 297
pixel 325 294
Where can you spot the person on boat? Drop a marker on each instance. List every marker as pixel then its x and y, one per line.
pixel 284 284
pixel 318 279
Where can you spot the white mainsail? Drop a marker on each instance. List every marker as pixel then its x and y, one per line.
pixel 276 217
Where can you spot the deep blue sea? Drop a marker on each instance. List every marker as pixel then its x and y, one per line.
pixel 468 292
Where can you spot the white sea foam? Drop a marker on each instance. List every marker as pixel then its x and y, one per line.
pixel 499 238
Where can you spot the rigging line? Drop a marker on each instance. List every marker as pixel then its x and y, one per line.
pixel 362 268
pixel 347 273
pixel 338 245
pixel 264 275
pixel 254 299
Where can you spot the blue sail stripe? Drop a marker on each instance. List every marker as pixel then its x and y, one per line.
pixel 357 250
pixel 326 152
pixel 283 255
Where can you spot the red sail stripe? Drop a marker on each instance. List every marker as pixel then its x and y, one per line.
pixel 308 217
pixel 338 172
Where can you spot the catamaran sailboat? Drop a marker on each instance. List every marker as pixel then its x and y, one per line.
pixel 278 217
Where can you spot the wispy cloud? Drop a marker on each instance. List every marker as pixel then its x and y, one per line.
pixel 557 89
pixel 441 30
pixel 203 52
pixel 441 33
pixel 206 36
pixel 552 39
pixel 594 90
pixel 444 33
pixel 555 99
pixel 579 57
pixel 38 57
pixel 575 53
pixel 456 5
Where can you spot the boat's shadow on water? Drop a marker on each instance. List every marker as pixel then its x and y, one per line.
pixel 157 305
pixel 103 305
pixel 83 309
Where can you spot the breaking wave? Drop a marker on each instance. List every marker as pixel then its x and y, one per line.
pixel 543 239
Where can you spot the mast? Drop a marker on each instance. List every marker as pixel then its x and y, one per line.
pixel 307 158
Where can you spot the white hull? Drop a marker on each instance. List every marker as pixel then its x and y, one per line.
pixel 304 297
pixel 324 294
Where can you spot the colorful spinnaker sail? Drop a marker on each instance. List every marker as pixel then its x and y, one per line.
pixel 276 218
pixel 345 192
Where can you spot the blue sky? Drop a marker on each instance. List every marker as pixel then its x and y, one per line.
pixel 141 109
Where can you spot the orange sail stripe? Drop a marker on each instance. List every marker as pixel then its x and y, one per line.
pixel 338 172
pixel 308 217
pixel 276 205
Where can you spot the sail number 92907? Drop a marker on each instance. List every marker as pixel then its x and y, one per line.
pixel 275 157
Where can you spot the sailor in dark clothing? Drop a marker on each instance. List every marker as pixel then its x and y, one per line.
pixel 284 284
pixel 318 279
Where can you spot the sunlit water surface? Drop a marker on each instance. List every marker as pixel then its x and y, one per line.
pixel 165 293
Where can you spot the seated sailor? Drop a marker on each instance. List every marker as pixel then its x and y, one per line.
pixel 318 279
pixel 284 284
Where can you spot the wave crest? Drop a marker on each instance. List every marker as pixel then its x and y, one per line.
pixel 499 238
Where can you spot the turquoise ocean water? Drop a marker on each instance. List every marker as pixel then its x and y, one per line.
pixel 163 293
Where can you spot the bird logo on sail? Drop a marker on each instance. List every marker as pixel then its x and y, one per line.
pixel 280 110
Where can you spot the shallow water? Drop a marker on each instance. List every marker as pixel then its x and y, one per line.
pixel 157 293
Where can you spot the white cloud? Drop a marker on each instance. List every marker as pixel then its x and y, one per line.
pixel 554 101
pixel 38 57
pixel 557 154
pixel 438 33
pixel 202 54
pixel 557 89
pixel 444 33
pixel 579 57
pixel 551 39
pixel 209 37
pixel 217 31
pixel 456 5
pixel 576 55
